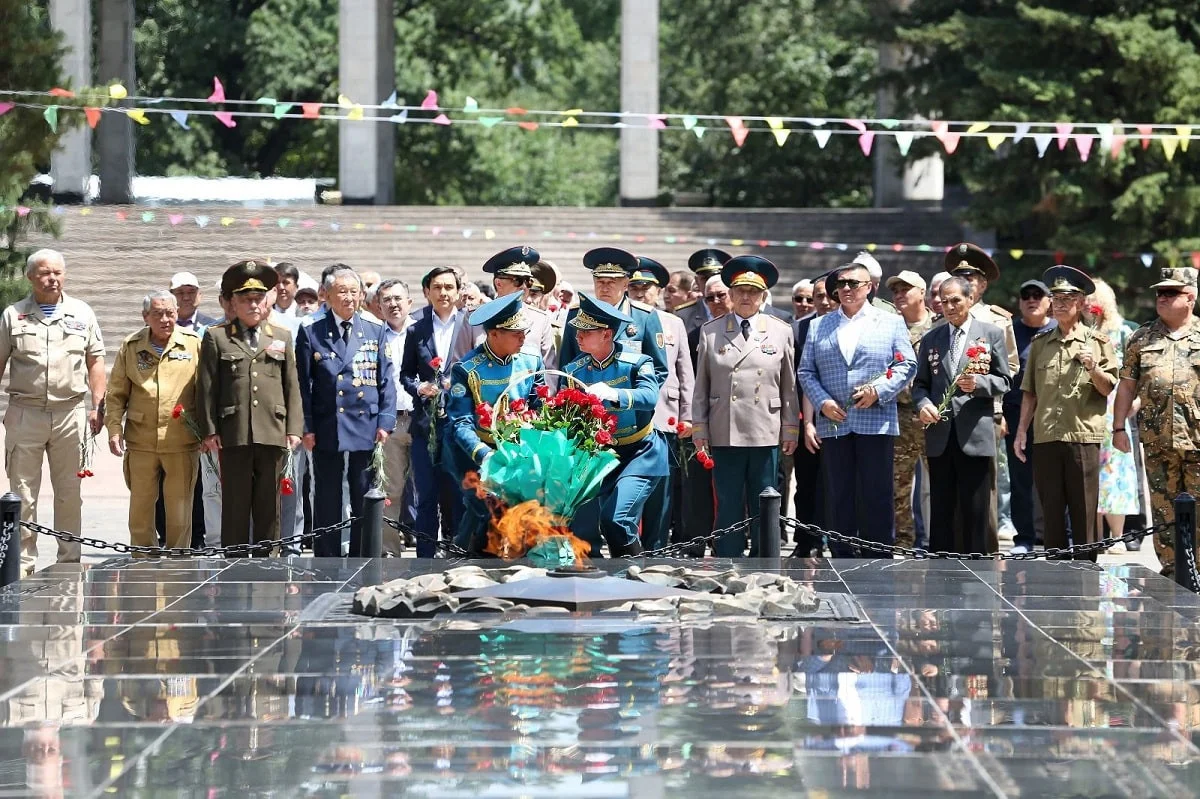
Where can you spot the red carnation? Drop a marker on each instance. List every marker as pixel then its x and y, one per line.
pixel 974 352
pixel 679 428
pixel 603 437
pixel 177 412
pixel 543 392
pixel 898 357
pixel 671 421
pixel 611 424
pixel 287 486
pixel 598 411
pixel 517 405
pixel 889 374
pixel 1096 310
pixel 436 363
pixel 79 473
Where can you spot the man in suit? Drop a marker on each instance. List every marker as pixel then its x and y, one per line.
pixel 512 273
pixel 249 407
pixel 628 385
pixel 349 405
pixel 425 375
pixel 611 268
pixel 706 264
pixel 746 355
pixel 966 360
pixel 497 367
pixel 851 374
pixel 663 513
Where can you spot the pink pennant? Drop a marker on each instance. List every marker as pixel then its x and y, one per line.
pixel 527 125
pixel 1118 141
pixel 430 101
pixel 939 128
pixel 174 219
pixel 865 141
pixel 311 110
pixel 5 108
pixel 435 230
pixel 1195 259
pixel 739 135
pixel 255 222
pixel 857 124
pixel 735 123
pixel 897 247
pixel 441 119
pixel 1084 142
pixel 226 118
pixel 218 95
pixel 950 142
pixel 1145 130
pixel 816 245
pixel 120 215
pixel 657 122
pixel 1064 132
pixel 307 224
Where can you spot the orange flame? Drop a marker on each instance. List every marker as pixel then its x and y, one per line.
pixel 514 531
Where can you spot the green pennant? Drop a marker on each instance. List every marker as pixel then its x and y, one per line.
pixel 281 109
pixel 51 116
pixel 147 216
pixel 689 121
pixel 471 105
pixel 890 124
pixel 489 122
pixel 266 100
pixel 1091 259
pixel 699 131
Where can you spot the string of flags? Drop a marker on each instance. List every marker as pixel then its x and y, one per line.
pixel 1084 137
pixel 229 223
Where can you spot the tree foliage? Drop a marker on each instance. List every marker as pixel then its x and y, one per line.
pixel 1100 61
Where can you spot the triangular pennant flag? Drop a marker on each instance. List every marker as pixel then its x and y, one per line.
pixel 471 104
pixel 775 123
pixel 1064 133
pixel 441 119
pixel 699 130
pixel 181 117
pixel 117 92
pixel 430 103
pixel 1195 259
pixel 939 128
pixel 467 233
pixel 994 140
pixel 93 117
pixel 857 124
pixel 174 219
pixel 516 110
pixel 226 221
pixel 308 224
pixel 865 141
pixel 1020 131
pixel 1084 142
pixel 904 140
pixel 400 118
pixel 147 216
pixel 1091 259
pixel 689 121
pixel 822 137
pixel 59 92
pixel 218 95
pixel 1016 254
pixel 355 113
pixel 390 102
pixel 816 122
pixel 1145 130
pixel 283 221
pixel 977 127
pixel 658 121
pixel 202 221
pixel 1147 259
pixel 335 227
pixel 311 110
pixel 5 108
pixel 1059 257
pixel 344 101
pixel 950 142
pixel 781 135
pixel 281 110
pixel 1169 143
pixel 570 122
pixel 266 100
pixel 489 234
pixel 1118 141
pixel 1185 136
pixel 1106 133
pixel 489 122
pixel 735 123
pixel 739 135
pixel 51 117
pixel 225 118
pixel 573 112
pixel 527 125
pixel 1042 140
pixel 137 115
pixel 890 124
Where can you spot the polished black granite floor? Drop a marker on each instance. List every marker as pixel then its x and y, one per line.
pixel 214 678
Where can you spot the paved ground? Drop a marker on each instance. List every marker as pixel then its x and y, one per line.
pixel 106 507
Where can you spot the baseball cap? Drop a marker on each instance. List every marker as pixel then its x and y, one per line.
pixel 1036 284
pixel 180 279
pixel 907 277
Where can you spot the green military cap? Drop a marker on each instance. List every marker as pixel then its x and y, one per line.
pixel 249 275
pixel 1064 279
pixel 967 257
pixel 1177 277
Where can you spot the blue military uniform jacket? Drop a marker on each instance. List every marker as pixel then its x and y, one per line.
pixel 642 450
pixel 643 337
pixel 347 389
pixel 482 376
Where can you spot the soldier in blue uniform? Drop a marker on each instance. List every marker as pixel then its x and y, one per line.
pixel 643 333
pixel 482 376
pixel 628 383
pixel 349 404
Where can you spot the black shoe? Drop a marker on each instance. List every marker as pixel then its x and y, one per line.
pixel 1133 546
pixel 632 549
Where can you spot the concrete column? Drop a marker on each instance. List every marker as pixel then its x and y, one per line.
pixel 114 134
pixel 639 94
pixel 367 75
pixel 71 164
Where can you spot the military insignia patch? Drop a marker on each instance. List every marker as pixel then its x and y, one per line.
pixel 458 390
pixel 661 340
pixel 768 349
pixel 316 356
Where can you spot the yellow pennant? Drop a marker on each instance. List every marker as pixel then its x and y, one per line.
pixel 871 247
pixel 781 135
pixel 994 140
pixel 137 115
pixel 978 127
pixel 775 122
pixel 226 221
pixel 117 92
pixel 1016 254
pixel 1169 143
pixel 571 122
pixel 1185 136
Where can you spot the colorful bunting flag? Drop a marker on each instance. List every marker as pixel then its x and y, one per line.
pixel 1042 140
pixel 117 92
pixel 1064 133
pixel 93 116
pixel 1084 142
pixel 470 105
pixel 225 118
pixel 994 140
pixel 865 141
pixel 218 93
pixel 822 137
pixel 1020 131
pixel 430 103
pixel 904 140
pixel 51 117
pixel 181 117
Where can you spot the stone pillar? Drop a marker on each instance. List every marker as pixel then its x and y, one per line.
pixel 367 75
pixel 114 134
pixel 639 94
pixel 71 164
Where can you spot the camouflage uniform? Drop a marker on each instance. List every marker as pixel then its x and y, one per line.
pixel 1166 368
pixel 909 448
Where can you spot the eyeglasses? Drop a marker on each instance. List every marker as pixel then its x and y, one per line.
pixel 1064 299
pixel 851 284
pixel 724 295
pixel 1169 293
pixel 1032 295
pixel 801 298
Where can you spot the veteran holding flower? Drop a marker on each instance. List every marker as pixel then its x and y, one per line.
pixel 153 384
pixel 1070 372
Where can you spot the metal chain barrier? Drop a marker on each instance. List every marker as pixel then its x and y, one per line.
pixel 1189 557
pixel 685 549
pixel 910 552
pixel 449 547
pixel 235 551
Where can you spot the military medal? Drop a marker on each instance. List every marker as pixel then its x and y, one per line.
pixel 768 349
pixel 316 356
pixel 631 330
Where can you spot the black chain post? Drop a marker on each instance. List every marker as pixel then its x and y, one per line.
pixel 10 539
pixel 371 545
pixel 769 531
pixel 1185 541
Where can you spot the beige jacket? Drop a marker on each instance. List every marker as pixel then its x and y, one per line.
pixel 144 389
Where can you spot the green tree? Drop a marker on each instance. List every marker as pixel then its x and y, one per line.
pixel 1099 61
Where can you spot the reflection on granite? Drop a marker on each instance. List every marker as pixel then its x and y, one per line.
pixel 975 678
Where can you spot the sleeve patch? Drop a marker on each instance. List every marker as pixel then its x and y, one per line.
pixel 458 390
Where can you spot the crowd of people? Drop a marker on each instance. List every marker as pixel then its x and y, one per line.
pixel 935 420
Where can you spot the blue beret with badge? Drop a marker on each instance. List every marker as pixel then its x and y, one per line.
pixel 503 313
pixel 513 262
pixel 650 271
pixel 610 262
pixel 596 314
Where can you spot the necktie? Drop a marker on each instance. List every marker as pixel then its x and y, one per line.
pixel 746 329
pixel 346 331
pixel 252 337
pixel 956 349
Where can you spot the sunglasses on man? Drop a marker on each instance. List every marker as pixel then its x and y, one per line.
pixel 1032 295
pixel 1169 293
pixel 716 297
pixel 851 284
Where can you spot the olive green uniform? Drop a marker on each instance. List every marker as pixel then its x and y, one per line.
pixel 909 449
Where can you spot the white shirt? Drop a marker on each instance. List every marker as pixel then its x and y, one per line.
pixel 289 311
pixel 395 345
pixel 751 320
pixel 851 330
pixel 443 335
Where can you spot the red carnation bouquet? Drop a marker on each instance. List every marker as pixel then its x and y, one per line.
pixel 973 353
pixel 181 413
pixel 681 456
